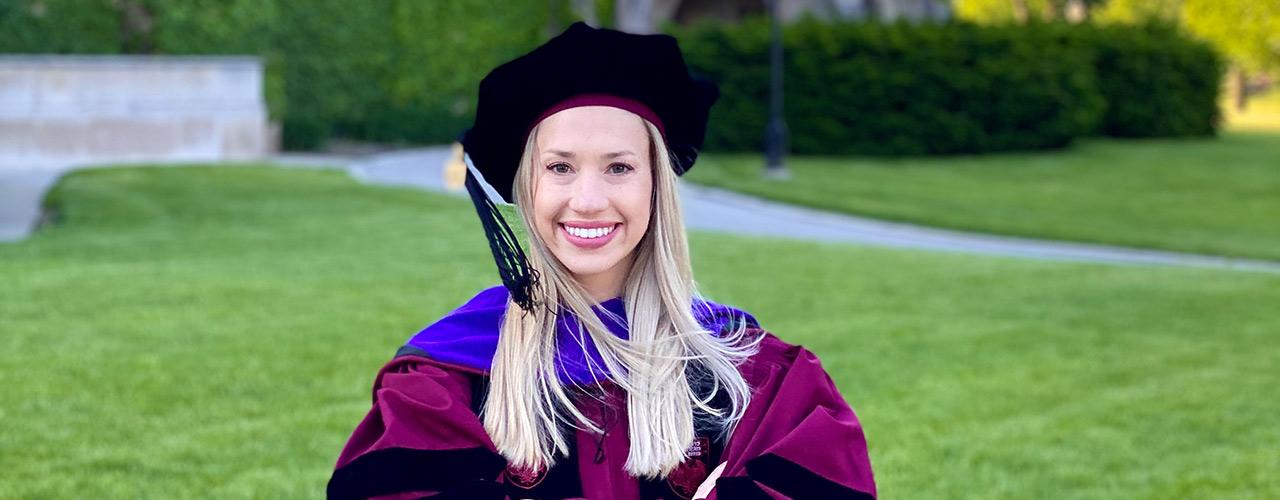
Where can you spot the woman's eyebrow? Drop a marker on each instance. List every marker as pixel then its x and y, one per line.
pixel 569 154
pixel 616 154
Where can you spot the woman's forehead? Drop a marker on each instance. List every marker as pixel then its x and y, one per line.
pixel 590 129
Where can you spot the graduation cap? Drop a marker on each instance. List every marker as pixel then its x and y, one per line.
pixel 583 66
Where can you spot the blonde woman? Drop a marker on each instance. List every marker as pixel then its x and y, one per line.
pixel 596 371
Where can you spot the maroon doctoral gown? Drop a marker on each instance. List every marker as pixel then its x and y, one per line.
pixel 423 436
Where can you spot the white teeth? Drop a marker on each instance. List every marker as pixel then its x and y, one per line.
pixel 588 233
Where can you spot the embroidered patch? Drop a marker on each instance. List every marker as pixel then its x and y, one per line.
pixel 526 478
pixel 700 447
pixel 686 477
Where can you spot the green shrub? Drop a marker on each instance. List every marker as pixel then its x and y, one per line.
pixel 900 88
pixel 438 53
pixel 59 27
pixel 1156 82
pixel 394 71
pixel 954 88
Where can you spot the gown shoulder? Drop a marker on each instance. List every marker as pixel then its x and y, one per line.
pixel 798 437
pixel 390 455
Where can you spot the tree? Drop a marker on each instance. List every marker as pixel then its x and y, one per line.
pixel 1246 31
pixel 994 11
pixel 1138 11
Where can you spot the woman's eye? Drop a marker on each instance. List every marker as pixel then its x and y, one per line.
pixel 620 168
pixel 559 168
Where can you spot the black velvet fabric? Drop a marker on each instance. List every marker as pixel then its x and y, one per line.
pixel 795 481
pixel 560 481
pixel 586 60
pixel 739 488
pixel 398 470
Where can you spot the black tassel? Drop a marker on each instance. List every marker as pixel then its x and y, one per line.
pixel 513 265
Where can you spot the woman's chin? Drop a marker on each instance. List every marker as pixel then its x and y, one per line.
pixel 587 272
pixel 587 262
pixel 595 272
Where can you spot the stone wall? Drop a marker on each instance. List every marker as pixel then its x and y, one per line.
pixel 60 111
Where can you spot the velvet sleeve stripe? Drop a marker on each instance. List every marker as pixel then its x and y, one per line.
pixel 476 490
pixel 397 470
pixel 795 481
pixel 739 488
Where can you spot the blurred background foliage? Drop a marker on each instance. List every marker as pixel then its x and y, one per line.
pixel 1001 75
pixel 386 70
pixel 868 88
pixel 901 88
pixel 1246 31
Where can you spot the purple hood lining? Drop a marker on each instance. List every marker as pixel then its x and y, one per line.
pixel 468 336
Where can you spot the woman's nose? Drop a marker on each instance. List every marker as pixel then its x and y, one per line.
pixel 589 194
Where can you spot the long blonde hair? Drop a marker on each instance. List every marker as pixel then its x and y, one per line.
pixel 662 366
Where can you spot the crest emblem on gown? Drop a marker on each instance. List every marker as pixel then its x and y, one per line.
pixel 525 477
pixel 686 477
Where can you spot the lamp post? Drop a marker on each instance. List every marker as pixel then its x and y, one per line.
pixel 776 131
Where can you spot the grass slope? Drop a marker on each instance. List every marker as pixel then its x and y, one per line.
pixel 1216 196
pixel 213 332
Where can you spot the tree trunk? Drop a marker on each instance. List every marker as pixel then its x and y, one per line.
pixel 553 28
pixel 586 10
pixel 136 23
pixel 1020 12
pixel 940 10
pixel 634 16
pixel 1242 89
pixel 870 10
pixel 1076 11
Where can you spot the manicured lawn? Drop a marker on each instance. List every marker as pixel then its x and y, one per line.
pixel 213 332
pixel 1216 196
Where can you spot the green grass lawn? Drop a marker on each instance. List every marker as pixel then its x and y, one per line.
pixel 1216 196
pixel 213 332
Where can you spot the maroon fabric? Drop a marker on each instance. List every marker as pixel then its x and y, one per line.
pixel 417 404
pixel 410 392
pixel 606 479
pixel 797 416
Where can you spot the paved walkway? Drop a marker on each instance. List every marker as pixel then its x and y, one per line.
pixel 719 210
pixel 706 208
pixel 20 194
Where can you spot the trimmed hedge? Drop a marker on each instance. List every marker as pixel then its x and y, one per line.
pixel 1156 82
pixel 59 27
pixel 955 88
pixel 393 71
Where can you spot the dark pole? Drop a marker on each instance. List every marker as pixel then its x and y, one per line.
pixel 776 135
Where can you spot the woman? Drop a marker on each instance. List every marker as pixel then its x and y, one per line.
pixel 596 371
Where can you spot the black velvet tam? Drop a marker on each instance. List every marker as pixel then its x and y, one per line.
pixel 586 60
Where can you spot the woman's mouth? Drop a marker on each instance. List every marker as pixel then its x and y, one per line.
pixel 589 237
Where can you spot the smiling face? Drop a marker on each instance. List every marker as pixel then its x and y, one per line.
pixel 592 193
